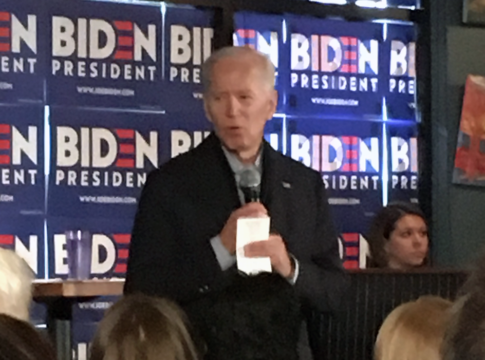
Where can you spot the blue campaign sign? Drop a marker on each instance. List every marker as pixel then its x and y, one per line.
pixel 335 69
pixel 273 134
pixel 399 63
pixel 38 314
pixel 109 248
pixel 101 159
pixel 82 334
pixel 104 54
pixel 22 160
pixel 183 132
pixel 25 236
pixel 188 37
pixel 348 156
pixel 85 318
pixel 265 33
pixel 403 161
pixel 404 3
pixel 22 51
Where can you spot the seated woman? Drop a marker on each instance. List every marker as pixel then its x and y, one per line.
pixel 142 327
pixel 20 341
pixel 414 330
pixel 398 238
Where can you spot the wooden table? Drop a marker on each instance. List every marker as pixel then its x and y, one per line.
pixel 69 288
pixel 60 296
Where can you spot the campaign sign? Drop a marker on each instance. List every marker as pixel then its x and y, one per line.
pixel 265 33
pixel 100 160
pixel 183 132
pixel 353 248
pixel 400 67
pixel 188 42
pixel 403 159
pixel 404 3
pixel 22 159
pixel 25 236
pixel 187 132
pixel 38 314
pixel 85 318
pixel 348 155
pixel 274 134
pixel 104 54
pixel 109 248
pixel 335 69
pixel 22 52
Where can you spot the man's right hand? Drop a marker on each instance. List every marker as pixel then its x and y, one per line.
pixel 228 233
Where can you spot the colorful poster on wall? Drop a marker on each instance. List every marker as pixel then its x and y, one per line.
pixel 265 33
pixel 22 160
pixel 399 63
pixel 335 69
pixel 403 164
pixel 25 236
pixel 104 54
pixel 109 249
pixel 100 160
pixel 188 37
pixel 470 149
pixel 22 52
pixel 348 155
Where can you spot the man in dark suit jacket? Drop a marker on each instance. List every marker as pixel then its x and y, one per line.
pixel 184 236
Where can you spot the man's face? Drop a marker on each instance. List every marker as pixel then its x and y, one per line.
pixel 239 103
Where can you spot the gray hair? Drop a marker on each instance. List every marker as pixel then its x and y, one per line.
pixel 15 285
pixel 263 62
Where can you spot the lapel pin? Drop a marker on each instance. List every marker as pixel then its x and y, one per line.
pixel 286 185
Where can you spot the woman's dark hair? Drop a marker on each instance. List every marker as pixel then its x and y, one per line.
pixel 21 341
pixel 143 327
pixel 383 224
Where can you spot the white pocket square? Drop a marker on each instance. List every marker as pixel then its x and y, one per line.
pixel 286 185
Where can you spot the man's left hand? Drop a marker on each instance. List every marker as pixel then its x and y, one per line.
pixel 275 249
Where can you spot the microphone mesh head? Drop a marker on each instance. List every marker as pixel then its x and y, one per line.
pixel 250 178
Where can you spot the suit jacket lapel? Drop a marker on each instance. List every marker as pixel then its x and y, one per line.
pixel 221 196
pixel 274 196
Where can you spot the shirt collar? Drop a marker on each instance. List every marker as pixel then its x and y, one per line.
pixel 237 166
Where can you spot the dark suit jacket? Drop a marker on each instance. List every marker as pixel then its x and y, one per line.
pixel 186 203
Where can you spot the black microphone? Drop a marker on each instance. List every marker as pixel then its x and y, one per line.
pixel 249 183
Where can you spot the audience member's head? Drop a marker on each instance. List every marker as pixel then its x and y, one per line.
pixel 20 341
pixel 255 318
pixel 476 5
pixel 142 327
pixel 414 330
pixel 15 285
pixel 398 237
pixel 465 337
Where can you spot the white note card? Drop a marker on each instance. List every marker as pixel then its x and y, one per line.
pixel 250 230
